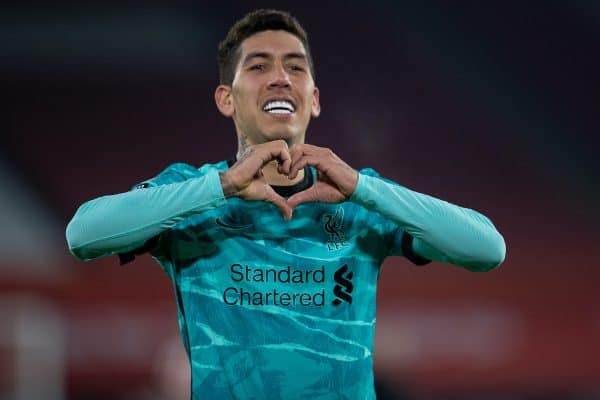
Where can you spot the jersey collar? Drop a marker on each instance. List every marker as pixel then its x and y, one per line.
pixel 287 191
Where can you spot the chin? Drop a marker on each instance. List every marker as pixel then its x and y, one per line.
pixel 279 135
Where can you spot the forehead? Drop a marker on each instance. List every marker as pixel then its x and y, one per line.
pixel 274 42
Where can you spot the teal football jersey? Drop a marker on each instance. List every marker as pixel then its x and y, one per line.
pixel 270 309
pixel 274 309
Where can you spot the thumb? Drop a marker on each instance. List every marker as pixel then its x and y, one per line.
pixel 280 203
pixel 304 196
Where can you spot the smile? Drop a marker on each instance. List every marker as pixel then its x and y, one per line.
pixel 279 107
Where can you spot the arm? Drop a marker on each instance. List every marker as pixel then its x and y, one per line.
pixel 441 231
pixel 123 222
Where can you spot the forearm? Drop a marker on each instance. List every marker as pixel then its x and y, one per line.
pixel 123 222
pixel 442 231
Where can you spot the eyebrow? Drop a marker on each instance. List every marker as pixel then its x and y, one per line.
pixel 264 54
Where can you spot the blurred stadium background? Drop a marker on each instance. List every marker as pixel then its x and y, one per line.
pixel 493 105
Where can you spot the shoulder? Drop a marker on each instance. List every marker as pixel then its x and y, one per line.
pixel 372 173
pixel 179 172
pixel 369 172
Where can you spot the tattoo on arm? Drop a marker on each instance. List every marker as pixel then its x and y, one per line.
pixel 228 188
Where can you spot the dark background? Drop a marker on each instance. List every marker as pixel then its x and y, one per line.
pixel 491 105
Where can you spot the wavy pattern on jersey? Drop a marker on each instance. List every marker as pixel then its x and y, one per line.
pixel 268 350
pixel 301 324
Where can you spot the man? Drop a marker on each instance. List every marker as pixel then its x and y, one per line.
pixel 275 256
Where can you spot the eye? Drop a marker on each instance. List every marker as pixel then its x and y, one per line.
pixel 295 67
pixel 257 67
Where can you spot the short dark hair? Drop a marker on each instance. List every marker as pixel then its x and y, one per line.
pixel 255 22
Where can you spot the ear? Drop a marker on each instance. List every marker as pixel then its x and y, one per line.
pixel 316 105
pixel 224 101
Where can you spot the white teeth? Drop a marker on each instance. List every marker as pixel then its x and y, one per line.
pixel 279 107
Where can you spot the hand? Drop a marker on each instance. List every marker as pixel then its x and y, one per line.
pixel 336 180
pixel 245 178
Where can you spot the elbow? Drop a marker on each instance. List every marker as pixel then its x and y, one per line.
pixel 493 257
pixel 498 251
pixel 75 238
pixel 78 233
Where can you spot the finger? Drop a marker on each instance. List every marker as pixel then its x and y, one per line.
pixel 305 196
pixel 303 162
pixel 296 152
pixel 307 147
pixel 284 167
pixel 277 150
pixel 312 149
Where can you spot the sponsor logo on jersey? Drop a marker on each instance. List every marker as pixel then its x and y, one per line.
pixel 254 285
pixel 343 289
pixel 333 225
pixel 278 286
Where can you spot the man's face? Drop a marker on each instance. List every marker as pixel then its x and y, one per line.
pixel 273 94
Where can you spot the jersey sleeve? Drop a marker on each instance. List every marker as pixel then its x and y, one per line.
pixel 430 228
pixel 126 222
pixel 402 244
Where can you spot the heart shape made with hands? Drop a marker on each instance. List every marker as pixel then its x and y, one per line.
pixel 335 183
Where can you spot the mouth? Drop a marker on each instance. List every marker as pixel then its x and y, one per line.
pixel 279 107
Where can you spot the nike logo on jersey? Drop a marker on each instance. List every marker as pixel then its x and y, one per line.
pixel 229 225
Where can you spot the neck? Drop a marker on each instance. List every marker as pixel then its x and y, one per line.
pixel 275 178
pixel 272 176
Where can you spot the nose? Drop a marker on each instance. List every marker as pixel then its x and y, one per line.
pixel 280 78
